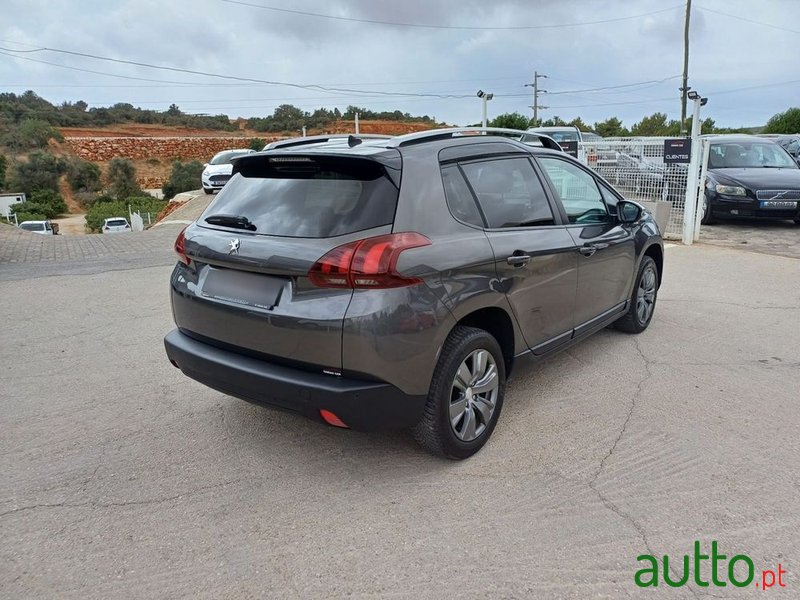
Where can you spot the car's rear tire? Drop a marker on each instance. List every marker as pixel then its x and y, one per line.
pixel 708 217
pixel 643 299
pixel 458 418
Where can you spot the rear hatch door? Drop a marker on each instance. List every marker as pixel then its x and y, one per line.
pixel 247 287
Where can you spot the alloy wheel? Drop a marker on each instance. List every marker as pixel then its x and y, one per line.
pixel 646 295
pixel 473 395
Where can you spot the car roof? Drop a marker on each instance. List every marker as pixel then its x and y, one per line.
pixel 738 138
pixel 33 222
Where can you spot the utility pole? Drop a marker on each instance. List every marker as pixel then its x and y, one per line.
pixel 536 92
pixel 685 87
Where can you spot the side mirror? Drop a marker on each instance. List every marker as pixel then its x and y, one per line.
pixel 628 212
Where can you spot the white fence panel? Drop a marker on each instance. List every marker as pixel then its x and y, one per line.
pixel 636 167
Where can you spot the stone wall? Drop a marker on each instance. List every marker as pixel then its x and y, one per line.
pixel 101 149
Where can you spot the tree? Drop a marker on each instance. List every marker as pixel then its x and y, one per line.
pixel 257 144
pixel 184 177
pixel 3 165
pixel 785 122
pixel 39 172
pixel 654 125
pixel 611 127
pixel 510 121
pixel 554 121
pixel 173 110
pixel 121 178
pixel 578 122
pixel 83 176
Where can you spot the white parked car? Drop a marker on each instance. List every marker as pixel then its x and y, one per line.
pixel 40 227
pixel 218 170
pixel 115 225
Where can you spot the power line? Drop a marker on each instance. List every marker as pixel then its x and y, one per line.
pixel 318 87
pixel 612 87
pixel 456 27
pixel 746 20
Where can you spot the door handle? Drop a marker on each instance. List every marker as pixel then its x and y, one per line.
pixel 590 249
pixel 518 260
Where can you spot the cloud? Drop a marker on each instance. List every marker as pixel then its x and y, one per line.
pixel 220 37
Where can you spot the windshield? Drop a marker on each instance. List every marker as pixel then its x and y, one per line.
pixel 32 226
pixel 563 136
pixel 749 155
pixel 225 158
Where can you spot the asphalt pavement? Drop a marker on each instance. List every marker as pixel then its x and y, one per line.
pixel 121 478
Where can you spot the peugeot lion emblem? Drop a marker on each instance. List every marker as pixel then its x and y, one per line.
pixel 234 246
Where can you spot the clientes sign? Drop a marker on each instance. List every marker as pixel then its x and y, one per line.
pixel 709 569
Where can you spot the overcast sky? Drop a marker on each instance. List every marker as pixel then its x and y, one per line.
pixel 221 37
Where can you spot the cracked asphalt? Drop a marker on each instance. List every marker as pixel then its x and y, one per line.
pixel 121 478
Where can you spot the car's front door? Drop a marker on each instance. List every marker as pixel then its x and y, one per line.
pixel 606 246
pixel 535 256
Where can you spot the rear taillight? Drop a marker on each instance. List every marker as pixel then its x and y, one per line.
pixel 180 248
pixel 367 264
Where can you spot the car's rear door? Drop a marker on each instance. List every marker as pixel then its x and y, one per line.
pixel 606 247
pixel 535 257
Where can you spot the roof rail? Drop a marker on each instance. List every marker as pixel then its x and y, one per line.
pixel 453 132
pixel 320 139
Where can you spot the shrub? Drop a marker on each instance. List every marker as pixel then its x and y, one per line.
pixel 101 210
pixel 510 121
pixel 28 216
pixel 42 202
pixel 39 172
pixel 257 144
pixel 184 177
pixel 30 134
pixel 83 176
pixel 121 178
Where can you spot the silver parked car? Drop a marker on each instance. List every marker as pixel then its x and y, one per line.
pixel 396 283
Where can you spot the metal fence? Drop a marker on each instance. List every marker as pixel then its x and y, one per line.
pixel 636 167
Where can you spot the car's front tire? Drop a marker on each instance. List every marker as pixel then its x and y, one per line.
pixel 466 395
pixel 708 217
pixel 643 299
pixel 208 191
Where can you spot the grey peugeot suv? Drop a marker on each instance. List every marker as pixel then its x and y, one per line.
pixel 395 283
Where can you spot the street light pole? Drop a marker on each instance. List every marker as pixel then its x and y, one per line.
pixel 485 99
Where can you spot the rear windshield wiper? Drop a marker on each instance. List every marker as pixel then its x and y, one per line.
pixel 237 221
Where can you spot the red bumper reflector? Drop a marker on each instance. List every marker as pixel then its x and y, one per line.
pixel 332 419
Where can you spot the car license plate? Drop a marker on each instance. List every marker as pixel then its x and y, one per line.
pixel 242 287
pixel 778 204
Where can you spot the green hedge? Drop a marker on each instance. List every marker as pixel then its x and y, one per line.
pixel 42 202
pixel 119 208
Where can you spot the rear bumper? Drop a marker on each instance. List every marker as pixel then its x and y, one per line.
pixel 362 405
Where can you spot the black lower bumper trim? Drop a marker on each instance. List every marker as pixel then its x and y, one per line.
pixel 362 405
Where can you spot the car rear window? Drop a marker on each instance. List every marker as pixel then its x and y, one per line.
pixel 308 197
pixel 32 226
pixel 116 222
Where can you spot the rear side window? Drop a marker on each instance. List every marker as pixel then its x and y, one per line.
pixel 308 197
pixel 459 197
pixel 509 192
